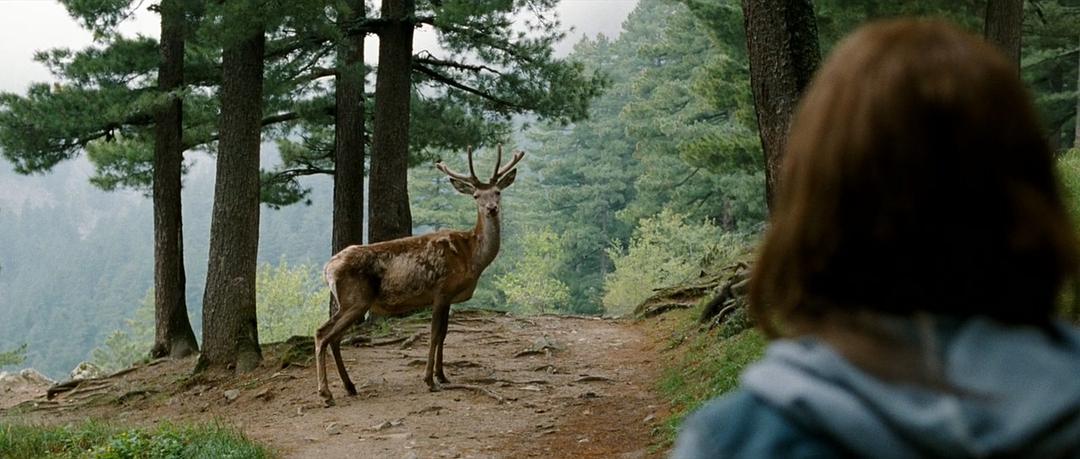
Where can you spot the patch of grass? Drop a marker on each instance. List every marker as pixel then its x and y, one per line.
pixel 98 440
pixel 709 367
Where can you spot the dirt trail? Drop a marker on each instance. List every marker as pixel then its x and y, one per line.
pixel 569 387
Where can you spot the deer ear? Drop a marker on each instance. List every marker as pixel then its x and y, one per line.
pixel 462 186
pixel 507 179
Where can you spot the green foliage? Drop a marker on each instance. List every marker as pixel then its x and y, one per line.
pixel 1068 166
pixel 709 367
pixel 124 347
pixel 665 250
pixel 95 440
pixel 531 283
pixel 290 300
pixel 13 357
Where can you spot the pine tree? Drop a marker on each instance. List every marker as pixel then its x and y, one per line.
pixel 1003 26
pixel 782 46
pixel 390 215
pixel 173 334
pixel 230 327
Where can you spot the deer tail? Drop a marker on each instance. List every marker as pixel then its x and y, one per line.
pixel 330 281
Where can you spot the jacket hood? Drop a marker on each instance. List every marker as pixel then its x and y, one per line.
pixel 1012 390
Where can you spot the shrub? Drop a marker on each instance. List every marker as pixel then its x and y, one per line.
pixel 665 250
pixel 531 284
pixel 290 300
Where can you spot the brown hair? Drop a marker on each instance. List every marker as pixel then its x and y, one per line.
pixel 916 179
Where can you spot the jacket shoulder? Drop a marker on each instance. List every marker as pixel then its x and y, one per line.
pixel 740 425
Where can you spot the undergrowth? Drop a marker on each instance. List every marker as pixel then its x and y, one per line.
pixel 709 366
pixel 96 440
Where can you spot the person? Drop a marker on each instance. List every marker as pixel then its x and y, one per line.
pixel 916 256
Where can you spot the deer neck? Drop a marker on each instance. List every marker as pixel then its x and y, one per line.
pixel 487 240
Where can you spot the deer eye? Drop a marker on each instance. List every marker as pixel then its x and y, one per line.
pixel 498 193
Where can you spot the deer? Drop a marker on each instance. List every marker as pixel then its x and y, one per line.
pixel 403 275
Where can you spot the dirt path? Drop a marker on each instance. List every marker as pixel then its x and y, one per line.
pixel 545 387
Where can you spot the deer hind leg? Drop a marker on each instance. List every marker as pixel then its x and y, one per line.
pixel 444 322
pixel 354 299
pixel 335 349
pixel 438 331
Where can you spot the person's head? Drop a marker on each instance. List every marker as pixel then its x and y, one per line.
pixel 916 179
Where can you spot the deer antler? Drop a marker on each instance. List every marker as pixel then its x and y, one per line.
pixel 496 174
pixel 513 162
pixel 471 178
pixel 498 160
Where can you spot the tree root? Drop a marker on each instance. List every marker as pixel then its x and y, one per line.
pixel 482 390
pixel 412 339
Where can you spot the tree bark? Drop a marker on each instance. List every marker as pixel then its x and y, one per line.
pixel 230 331
pixel 390 217
pixel 173 336
pixel 782 44
pixel 348 226
pixel 1076 115
pixel 1003 25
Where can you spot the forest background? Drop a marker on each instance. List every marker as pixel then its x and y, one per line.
pixel 663 180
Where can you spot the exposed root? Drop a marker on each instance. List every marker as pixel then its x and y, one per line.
pixel 589 378
pixel 482 390
pixel 412 339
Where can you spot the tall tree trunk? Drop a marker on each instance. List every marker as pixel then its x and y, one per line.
pixel 348 227
pixel 782 44
pixel 173 336
pixel 1004 22
pixel 1076 115
pixel 230 331
pixel 390 217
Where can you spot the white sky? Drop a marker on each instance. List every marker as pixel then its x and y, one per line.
pixel 27 26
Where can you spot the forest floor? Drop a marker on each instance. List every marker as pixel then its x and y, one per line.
pixel 528 386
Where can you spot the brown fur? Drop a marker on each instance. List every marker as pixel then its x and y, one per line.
pixel 403 275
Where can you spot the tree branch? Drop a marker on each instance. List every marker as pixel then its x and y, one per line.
pixel 455 84
pixel 432 60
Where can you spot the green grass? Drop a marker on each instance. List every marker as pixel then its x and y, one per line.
pixel 709 367
pixel 98 440
pixel 1068 166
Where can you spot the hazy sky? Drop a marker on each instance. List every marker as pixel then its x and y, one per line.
pixel 27 26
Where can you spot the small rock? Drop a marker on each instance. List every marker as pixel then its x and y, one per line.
pixel 333 429
pixel 411 455
pixel 86 370
pixel 232 394
pixel 264 394
pixel 649 418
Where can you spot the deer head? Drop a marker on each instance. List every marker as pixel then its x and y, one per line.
pixel 486 194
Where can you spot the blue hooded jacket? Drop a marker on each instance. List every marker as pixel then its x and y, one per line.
pixel 1014 392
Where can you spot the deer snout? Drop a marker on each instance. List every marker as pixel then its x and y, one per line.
pixel 492 208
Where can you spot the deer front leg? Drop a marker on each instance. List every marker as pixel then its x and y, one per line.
pixel 438 332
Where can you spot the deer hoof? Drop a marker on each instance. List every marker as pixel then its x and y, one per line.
pixel 328 398
pixel 434 387
pixel 443 379
pixel 350 389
